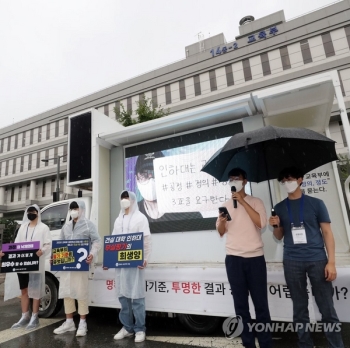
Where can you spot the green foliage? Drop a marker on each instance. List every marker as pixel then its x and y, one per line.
pixel 9 231
pixel 343 167
pixel 145 111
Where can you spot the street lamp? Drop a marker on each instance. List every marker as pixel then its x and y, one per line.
pixel 58 158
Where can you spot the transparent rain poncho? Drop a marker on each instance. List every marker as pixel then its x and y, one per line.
pixel 130 282
pixel 75 284
pixel 41 233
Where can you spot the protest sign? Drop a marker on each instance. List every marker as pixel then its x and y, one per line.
pixel 70 255
pixel 125 250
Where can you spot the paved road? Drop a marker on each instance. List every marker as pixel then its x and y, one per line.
pixel 103 324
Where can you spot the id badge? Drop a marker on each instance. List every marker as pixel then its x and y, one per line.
pixel 299 235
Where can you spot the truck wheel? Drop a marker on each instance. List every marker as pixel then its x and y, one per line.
pixel 50 304
pixel 199 324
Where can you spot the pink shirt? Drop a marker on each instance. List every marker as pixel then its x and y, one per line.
pixel 243 237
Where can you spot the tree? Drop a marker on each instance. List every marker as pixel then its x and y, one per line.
pixel 9 231
pixel 146 111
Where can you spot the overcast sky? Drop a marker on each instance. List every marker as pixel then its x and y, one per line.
pixel 55 51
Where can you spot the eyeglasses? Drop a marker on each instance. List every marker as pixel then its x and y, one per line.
pixel 145 176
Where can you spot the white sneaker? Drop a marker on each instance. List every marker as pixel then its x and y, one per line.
pixel 140 336
pixel 65 327
pixel 82 329
pixel 122 334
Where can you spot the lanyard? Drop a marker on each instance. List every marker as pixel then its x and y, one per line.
pixel 27 234
pixel 301 211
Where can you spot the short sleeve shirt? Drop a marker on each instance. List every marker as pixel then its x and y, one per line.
pixel 315 212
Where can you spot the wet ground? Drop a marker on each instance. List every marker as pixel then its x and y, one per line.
pixel 103 324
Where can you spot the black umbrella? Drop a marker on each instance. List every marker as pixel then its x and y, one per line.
pixel 264 152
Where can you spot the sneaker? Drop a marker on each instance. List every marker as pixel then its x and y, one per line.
pixel 82 329
pixel 65 327
pixel 24 321
pixel 140 336
pixel 33 324
pixel 122 334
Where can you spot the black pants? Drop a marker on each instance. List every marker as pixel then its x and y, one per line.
pixel 249 276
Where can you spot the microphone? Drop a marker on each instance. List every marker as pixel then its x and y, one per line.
pixel 273 213
pixel 233 189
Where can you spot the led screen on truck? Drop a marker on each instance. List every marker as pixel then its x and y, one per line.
pixel 166 176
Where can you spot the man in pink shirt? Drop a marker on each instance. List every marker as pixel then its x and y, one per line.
pixel 245 262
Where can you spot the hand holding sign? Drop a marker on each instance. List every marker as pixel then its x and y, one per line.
pixel 89 259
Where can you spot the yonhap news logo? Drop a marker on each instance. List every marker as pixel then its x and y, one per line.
pixel 232 327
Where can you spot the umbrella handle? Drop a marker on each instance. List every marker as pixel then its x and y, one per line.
pixel 273 213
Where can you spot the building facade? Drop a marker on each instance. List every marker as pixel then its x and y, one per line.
pixel 267 52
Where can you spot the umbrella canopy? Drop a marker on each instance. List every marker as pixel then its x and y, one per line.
pixel 264 152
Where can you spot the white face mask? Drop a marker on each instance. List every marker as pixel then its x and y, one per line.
pixel 290 186
pixel 148 189
pixel 238 184
pixel 74 214
pixel 125 203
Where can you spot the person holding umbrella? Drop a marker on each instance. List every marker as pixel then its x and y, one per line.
pixel 245 262
pixel 304 223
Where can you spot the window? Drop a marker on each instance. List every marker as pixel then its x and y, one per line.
pixel 1 168
pixel 246 70
pixel 117 109
pixel 27 190
pixel 65 153
pixel 167 94
pixel 229 75
pixel 341 84
pixel 265 64
pixel 38 160
pixel 65 131
pixel 57 128
pixel 14 166
pixel 43 191
pixel 48 131
pixel 22 164
pixel 55 217
pixel 2 146
pixel 305 51
pixel 129 104
pixel 347 33
pixel 46 157
pixel 141 97
pixel 285 58
pixel 39 133
pixel 106 110
pixel 8 143
pixel 154 98
pixel 55 154
pixel 212 78
pixel 12 193
pixel 328 45
pixel 31 137
pixel 7 168
pixel 30 162
pixel 24 139
pixel 16 141
pixel 197 85
pixel 53 185
pixel 182 89
pixel 20 193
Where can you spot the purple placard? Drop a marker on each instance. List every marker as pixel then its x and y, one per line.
pixel 21 246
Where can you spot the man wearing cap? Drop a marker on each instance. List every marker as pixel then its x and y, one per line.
pixel 75 285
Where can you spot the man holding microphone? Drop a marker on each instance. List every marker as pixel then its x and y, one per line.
pixel 245 262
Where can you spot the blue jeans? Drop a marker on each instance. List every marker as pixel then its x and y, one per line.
pixel 295 273
pixel 133 309
pixel 247 275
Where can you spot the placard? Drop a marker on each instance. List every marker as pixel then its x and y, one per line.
pixel 70 255
pixel 123 250
pixel 20 257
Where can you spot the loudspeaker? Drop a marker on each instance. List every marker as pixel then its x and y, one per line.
pixel 80 148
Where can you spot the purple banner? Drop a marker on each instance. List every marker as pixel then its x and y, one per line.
pixel 20 246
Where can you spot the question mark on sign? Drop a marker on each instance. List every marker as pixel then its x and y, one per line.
pixel 345 291
pixel 83 257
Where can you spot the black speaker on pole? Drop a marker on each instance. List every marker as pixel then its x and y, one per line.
pixel 80 148
pixel 54 196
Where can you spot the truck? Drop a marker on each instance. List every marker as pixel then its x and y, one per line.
pixel 186 274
